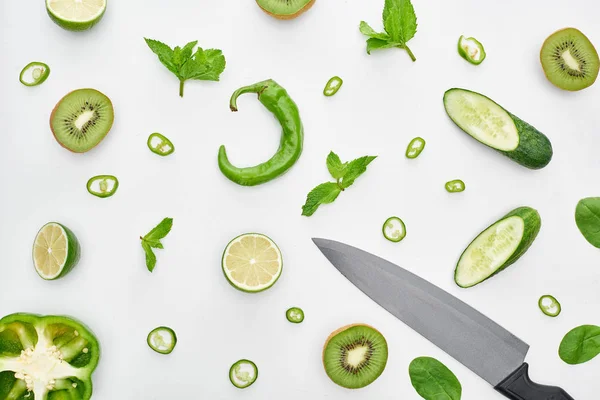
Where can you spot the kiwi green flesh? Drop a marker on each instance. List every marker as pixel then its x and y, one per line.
pixel 355 357
pixel 82 119
pixel 284 8
pixel 570 60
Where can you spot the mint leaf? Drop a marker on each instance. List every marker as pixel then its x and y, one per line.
pixel 393 25
pixel 336 168
pixel 152 240
pixel 377 44
pixel 205 65
pixel 323 194
pixel 366 30
pixel 355 169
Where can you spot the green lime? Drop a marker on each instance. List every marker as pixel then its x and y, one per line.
pixel 252 262
pixel 76 15
pixel 55 251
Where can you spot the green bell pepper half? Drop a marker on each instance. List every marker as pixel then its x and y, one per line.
pixel 51 357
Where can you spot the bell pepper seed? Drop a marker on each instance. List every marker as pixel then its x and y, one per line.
pixel 415 147
pixel 332 86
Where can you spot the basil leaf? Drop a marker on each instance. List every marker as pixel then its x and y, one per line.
pixel 433 380
pixel 580 345
pixel 587 217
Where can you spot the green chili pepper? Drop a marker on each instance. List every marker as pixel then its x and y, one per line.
pixel 34 73
pixel 275 99
pixel 46 357
pixel 455 186
pixel 415 147
pixel 295 315
pixel 162 340
pixel 243 373
pixel 549 305
pixel 471 50
pixel 103 185
pixel 159 144
pixel 333 85
pixel 394 229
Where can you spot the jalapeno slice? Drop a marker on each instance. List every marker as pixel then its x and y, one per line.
pixel 159 144
pixel 103 185
pixel 295 315
pixel 162 340
pixel 549 305
pixel 333 85
pixel 34 73
pixel 415 147
pixel 243 373
pixel 455 186
pixel 394 229
pixel 471 50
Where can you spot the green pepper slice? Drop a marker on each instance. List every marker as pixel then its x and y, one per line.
pixel 471 50
pixel 455 186
pixel 102 185
pixel 295 315
pixel 34 73
pixel 332 86
pixel 159 144
pixel 549 305
pixel 49 357
pixel 394 229
pixel 243 373
pixel 415 147
pixel 162 340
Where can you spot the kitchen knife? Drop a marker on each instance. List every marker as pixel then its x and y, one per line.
pixel 470 337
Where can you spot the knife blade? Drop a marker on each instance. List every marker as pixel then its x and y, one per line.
pixel 467 335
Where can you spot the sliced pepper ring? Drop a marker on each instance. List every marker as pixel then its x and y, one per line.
pixel 160 144
pixel 35 73
pixel 46 356
pixel 162 340
pixel 243 373
pixel 549 305
pixel 102 185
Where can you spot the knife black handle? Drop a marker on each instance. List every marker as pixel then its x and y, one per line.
pixel 518 386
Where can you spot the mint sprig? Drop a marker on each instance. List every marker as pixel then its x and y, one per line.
pixel 152 241
pixel 204 65
pixel 399 23
pixel 344 174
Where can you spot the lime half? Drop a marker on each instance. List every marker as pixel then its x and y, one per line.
pixel 252 262
pixel 76 15
pixel 55 251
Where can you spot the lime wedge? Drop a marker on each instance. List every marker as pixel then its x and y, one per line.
pixel 55 251
pixel 76 15
pixel 252 262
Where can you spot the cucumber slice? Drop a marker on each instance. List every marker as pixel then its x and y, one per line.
pixel 492 125
pixel 162 340
pixel 498 247
pixel 243 373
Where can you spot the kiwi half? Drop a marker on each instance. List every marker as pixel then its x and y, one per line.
pixel 355 355
pixel 82 119
pixel 570 60
pixel 285 9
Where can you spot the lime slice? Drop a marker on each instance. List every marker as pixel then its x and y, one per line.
pixel 252 262
pixel 76 15
pixel 55 251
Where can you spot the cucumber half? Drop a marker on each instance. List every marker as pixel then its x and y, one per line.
pixel 490 124
pixel 498 247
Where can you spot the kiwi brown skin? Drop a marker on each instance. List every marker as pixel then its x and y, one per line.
pixel 289 16
pixel 54 113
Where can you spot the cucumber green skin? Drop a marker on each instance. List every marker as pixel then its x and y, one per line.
pixel 534 150
pixel 532 225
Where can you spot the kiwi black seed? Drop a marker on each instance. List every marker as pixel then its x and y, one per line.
pixel 570 60
pixel 285 9
pixel 82 119
pixel 354 356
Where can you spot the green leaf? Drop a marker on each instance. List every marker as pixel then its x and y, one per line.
pixel 400 20
pixel 366 30
pixel 393 25
pixel 377 44
pixel 150 257
pixel 433 380
pixel 580 345
pixel 160 231
pixel 186 52
pixel 323 194
pixel 587 218
pixel 164 53
pixel 355 169
pixel 336 168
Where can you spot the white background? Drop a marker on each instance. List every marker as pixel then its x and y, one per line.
pixel 386 100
